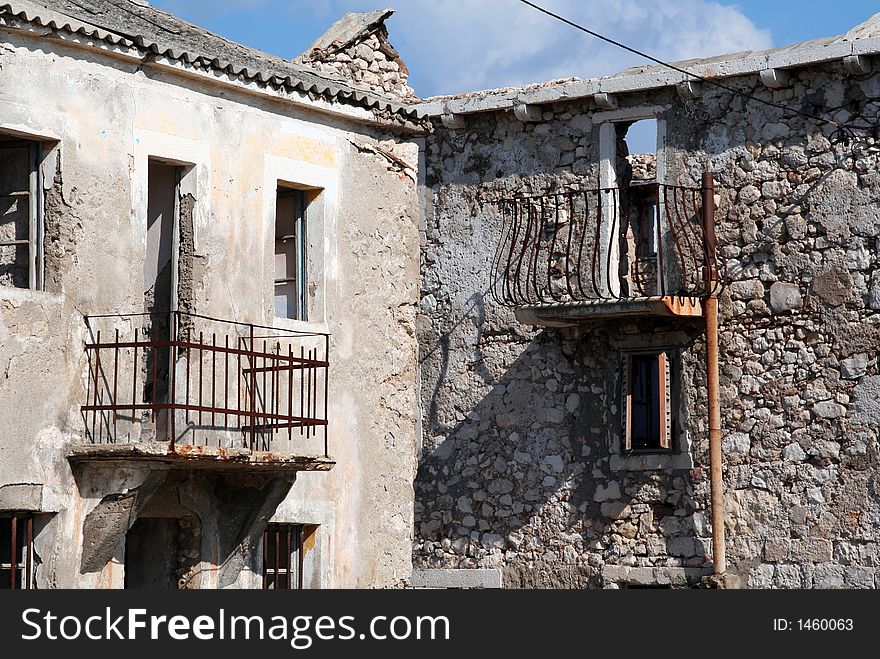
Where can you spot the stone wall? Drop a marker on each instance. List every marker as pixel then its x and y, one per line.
pixel 357 48
pixel 370 63
pixel 521 425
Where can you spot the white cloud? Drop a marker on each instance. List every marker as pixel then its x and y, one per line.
pixel 463 45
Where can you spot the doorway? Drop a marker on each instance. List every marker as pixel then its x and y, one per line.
pixel 151 550
pixel 160 284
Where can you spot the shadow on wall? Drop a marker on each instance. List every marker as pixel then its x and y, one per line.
pixel 177 529
pixel 515 472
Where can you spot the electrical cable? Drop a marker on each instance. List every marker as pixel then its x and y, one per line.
pixel 843 133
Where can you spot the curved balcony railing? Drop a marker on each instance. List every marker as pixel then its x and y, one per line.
pixel 607 244
pixel 192 380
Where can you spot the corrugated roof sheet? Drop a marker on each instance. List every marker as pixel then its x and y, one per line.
pixel 134 23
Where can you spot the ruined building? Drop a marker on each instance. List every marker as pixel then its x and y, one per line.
pixel 284 324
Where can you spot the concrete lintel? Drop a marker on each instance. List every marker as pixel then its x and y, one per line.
pixel 605 101
pixel 857 65
pixel 651 462
pixel 528 113
pixel 689 89
pixel 654 576
pixel 775 78
pixel 24 497
pixel 476 578
pixel 634 113
pixel 454 121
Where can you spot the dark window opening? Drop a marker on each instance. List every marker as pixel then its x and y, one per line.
pixel 290 255
pixel 16 551
pixel 647 402
pixel 643 198
pixel 21 244
pixel 283 557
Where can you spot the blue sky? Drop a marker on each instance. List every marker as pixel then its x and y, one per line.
pixel 463 45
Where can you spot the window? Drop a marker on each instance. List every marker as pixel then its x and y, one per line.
pixel 647 394
pixel 16 550
pixel 641 147
pixel 643 198
pixel 290 254
pixel 283 557
pixel 21 253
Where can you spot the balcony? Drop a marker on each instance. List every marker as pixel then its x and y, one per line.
pixel 576 255
pixel 198 392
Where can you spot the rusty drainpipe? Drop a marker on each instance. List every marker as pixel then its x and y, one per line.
pixel 710 314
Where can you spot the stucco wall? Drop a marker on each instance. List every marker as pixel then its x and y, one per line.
pixel 105 117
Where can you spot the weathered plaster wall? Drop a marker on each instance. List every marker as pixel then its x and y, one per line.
pixel 520 423
pixel 104 119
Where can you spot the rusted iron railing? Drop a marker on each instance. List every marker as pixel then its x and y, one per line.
pixel 603 244
pixel 18 572
pixel 193 380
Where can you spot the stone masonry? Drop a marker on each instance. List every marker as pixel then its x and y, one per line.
pixel 356 47
pixel 521 423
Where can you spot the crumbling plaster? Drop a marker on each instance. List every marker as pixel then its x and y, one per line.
pixel 106 117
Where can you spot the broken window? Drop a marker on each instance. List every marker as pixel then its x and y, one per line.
pixel 16 550
pixel 21 253
pixel 647 396
pixel 290 254
pixel 283 556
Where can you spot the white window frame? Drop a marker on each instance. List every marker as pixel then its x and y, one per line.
pixel 300 237
pixel 321 187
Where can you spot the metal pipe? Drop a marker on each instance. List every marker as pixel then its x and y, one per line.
pixel 710 314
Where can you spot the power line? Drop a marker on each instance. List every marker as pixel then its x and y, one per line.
pixel 845 130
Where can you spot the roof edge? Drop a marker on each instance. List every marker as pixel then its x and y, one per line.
pixel 641 79
pixel 87 35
